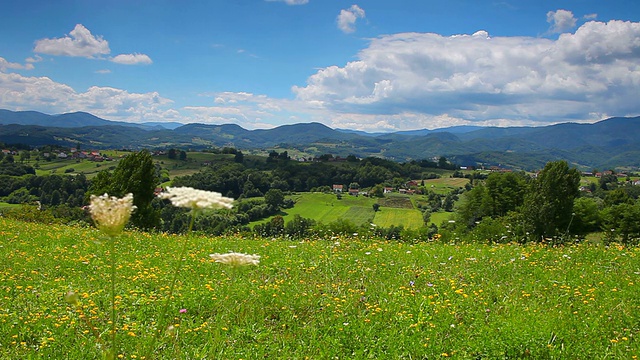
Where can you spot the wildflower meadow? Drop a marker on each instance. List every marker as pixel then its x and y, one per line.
pixel 336 297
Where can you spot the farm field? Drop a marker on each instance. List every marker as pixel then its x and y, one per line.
pixel 327 208
pixel 341 298
pixel 444 185
pixel 408 218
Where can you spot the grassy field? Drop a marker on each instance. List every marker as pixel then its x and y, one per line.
pixel 345 298
pixel 444 185
pixel 326 208
pixel 408 218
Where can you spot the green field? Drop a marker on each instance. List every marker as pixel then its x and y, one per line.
pixel 444 185
pixel 354 298
pixel 395 210
pixel 326 208
pixel 408 218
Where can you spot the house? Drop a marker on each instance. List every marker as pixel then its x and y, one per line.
pixel 637 182
pixel 354 192
pixel 411 183
pixel 62 155
pixel 387 190
pixel 337 188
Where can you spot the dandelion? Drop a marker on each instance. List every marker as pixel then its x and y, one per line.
pixel 194 199
pixel 236 259
pixel 110 213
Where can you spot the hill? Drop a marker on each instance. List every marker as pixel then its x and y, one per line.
pixel 605 144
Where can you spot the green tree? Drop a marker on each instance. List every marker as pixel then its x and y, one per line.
pixel 134 174
pixel 274 198
pixel 548 204
pixel 376 207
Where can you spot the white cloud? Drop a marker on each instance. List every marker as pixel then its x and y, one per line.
pixel 590 16
pixel 422 77
pixel 292 2
pixel 561 20
pixel 5 65
pixel 103 71
pixel 80 43
pixel 132 59
pixel 347 18
pixel 43 94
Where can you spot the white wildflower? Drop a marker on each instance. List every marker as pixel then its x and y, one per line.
pixel 187 197
pixel 236 259
pixel 110 213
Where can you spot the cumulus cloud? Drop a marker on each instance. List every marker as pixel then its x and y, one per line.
pixel 561 20
pixel 5 65
pixel 347 18
pixel 79 42
pixel 43 94
pixel 132 59
pixel 292 2
pixel 424 77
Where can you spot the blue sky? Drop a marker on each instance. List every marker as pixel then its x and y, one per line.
pixel 372 65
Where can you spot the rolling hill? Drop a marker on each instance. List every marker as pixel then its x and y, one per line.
pixel 605 144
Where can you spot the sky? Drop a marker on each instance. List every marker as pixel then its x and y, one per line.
pixel 370 65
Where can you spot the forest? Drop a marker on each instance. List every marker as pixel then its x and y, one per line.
pixel 557 204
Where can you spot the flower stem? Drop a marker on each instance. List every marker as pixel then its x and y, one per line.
pixel 178 266
pixel 113 295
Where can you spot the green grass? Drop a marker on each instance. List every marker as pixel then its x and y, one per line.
pixel 344 298
pixel 439 217
pixel 444 185
pixel 6 206
pixel 408 218
pixel 326 208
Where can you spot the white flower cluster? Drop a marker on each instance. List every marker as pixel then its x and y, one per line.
pixel 187 197
pixel 236 259
pixel 111 213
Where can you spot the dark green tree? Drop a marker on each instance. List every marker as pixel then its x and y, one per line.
pixel 548 204
pixel 134 174
pixel 274 198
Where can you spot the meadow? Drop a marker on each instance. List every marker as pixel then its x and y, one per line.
pixel 340 297
pixel 327 208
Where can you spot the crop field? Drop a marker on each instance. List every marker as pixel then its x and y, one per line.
pixel 327 208
pixel 348 297
pixel 444 185
pixel 408 218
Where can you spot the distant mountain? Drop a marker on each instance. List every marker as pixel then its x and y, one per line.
pixel 605 144
pixel 68 120
pixel 162 125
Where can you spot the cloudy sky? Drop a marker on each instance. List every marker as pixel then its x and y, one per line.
pixel 373 65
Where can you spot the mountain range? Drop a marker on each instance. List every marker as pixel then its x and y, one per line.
pixel 609 143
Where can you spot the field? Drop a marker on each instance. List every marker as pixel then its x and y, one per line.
pixel 444 185
pixel 343 298
pixel 326 208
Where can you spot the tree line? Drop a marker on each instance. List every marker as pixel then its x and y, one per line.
pixel 500 207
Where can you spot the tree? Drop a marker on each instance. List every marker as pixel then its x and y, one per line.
pixel 376 207
pixel 548 204
pixel 134 174
pixel 239 157
pixel 173 154
pixel 183 155
pixel 274 198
